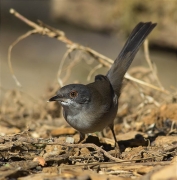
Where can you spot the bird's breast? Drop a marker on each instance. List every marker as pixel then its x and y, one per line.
pixel 90 120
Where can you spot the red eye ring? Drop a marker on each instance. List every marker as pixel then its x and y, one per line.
pixel 73 94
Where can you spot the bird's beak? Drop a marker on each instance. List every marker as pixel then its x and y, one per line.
pixel 55 98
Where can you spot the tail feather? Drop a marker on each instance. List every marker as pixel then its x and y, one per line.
pixel 127 54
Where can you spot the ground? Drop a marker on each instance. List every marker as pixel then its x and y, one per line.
pixel 36 142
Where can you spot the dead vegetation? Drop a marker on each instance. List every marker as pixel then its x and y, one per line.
pixel 37 143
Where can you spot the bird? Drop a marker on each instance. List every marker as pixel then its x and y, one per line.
pixel 92 107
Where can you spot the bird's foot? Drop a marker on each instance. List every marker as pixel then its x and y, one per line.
pixel 82 138
pixel 117 152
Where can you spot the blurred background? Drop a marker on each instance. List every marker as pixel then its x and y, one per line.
pixel 100 25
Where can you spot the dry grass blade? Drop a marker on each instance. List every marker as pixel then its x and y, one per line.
pixel 61 65
pixel 10 52
pixel 93 70
pixel 71 64
pixel 151 63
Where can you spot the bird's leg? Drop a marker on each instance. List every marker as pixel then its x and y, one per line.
pixel 117 149
pixel 82 138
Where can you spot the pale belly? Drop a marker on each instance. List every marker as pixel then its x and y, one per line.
pixel 89 123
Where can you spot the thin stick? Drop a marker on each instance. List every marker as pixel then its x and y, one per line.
pixel 127 76
pixel 24 19
pixel 61 36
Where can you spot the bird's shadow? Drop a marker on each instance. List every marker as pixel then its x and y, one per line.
pixel 95 140
pixel 138 140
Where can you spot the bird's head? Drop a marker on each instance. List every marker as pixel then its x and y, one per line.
pixel 72 95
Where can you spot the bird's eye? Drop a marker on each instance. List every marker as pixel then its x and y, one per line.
pixel 73 94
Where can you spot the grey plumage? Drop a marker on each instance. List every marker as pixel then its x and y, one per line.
pixel 92 107
pixel 127 54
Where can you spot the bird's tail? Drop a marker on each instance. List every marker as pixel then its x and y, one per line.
pixel 127 54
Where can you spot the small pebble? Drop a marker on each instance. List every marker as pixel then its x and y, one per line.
pixel 39 168
pixel 70 140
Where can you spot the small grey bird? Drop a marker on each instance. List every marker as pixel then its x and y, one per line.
pixel 92 107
